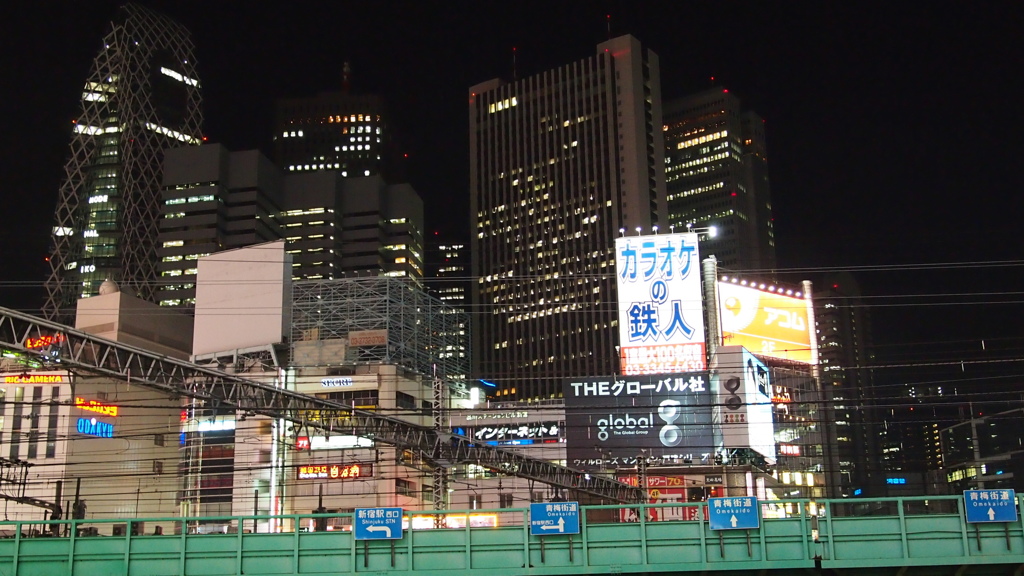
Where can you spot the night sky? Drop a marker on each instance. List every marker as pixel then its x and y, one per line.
pixel 894 133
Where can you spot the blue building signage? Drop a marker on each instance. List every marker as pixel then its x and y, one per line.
pixel 548 518
pixel 378 523
pixel 93 427
pixel 733 513
pixel 990 505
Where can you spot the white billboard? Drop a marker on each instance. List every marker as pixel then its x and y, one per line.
pixel 744 408
pixel 661 318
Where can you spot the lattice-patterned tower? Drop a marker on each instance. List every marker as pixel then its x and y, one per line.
pixel 142 96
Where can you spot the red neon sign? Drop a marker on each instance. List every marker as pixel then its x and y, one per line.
pixel 42 341
pixel 94 406
pixel 302 443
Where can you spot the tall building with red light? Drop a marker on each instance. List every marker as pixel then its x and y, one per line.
pixel 559 162
pixel 716 175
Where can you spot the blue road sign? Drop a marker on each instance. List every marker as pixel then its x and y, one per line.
pixel 548 518
pixel 990 505
pixel 733 513
pixel 378 523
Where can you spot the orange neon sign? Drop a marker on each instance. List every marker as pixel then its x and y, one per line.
pixel 97 407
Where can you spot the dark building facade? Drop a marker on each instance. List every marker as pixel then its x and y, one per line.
pixel 844 359
pixel 335 226
pixel 559 162
pixel 350 133
pixel 142 96
pixel 447 278
pixel 716 174
pixel 213 200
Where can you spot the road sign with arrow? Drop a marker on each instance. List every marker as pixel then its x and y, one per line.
pixel 733 513
pixel 990 505
pixel 548 518
pixel 378 523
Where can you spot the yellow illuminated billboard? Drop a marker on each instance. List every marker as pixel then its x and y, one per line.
pixel 767 323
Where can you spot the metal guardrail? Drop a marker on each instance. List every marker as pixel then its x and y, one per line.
pixel 895 533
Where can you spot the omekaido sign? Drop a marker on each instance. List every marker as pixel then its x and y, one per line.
pixel 661 322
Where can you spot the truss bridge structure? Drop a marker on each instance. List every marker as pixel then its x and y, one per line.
pixel 87 353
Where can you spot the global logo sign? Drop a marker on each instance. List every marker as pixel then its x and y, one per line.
pixel 624 425
pixel 610 419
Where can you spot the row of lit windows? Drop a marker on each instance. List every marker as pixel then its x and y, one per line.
pixel 698 161
pixel 698 190
pixel 344 173
pixel 191 199
pixel 701 139
pixel 502 105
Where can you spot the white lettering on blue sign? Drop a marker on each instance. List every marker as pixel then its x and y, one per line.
pixel 93 427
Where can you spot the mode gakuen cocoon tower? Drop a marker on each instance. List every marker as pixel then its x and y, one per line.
pixel 141 97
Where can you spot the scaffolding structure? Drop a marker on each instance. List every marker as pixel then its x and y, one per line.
pixel 422 332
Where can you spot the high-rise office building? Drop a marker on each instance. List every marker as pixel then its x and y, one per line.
pixel 142 96
pixel 716 172
pixel 213 200
pixel 339 131
pixel 559 163
pixel 844 356
pixel 447 279
pixel 336 227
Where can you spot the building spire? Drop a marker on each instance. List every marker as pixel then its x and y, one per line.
pixel 346 77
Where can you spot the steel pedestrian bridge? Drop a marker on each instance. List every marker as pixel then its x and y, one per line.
pixel 885 536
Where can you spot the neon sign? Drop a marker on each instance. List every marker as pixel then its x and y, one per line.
pixel 93 427
pixel 789 450
pixel 42 341
pixel 94 406
pixel 33 379
pixel 334 471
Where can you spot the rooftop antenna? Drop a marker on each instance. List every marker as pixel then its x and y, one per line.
pixel 514 75
pixel 346 77
pixel 608 24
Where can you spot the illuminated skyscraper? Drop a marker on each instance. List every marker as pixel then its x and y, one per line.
pixel 559 163
pixel 716 172
pixel 141 97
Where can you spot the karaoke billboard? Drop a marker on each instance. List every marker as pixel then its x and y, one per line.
pixel 661 319
pixel 610 422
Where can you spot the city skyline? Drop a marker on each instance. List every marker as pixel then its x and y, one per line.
pixel 887 130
